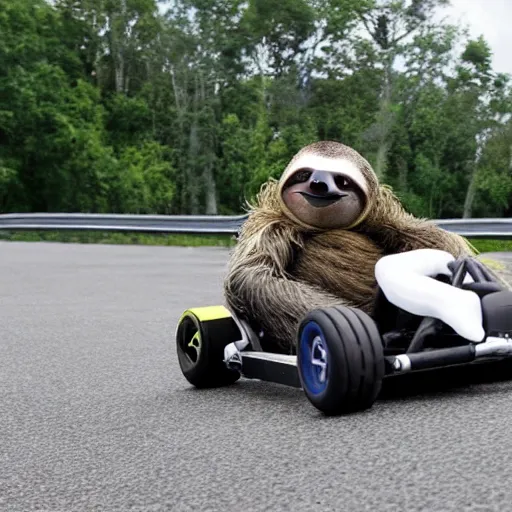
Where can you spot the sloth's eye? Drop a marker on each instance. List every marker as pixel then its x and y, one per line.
pixel 300 176
pixel 342 182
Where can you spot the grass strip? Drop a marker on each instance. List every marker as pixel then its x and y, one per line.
pixel 99 237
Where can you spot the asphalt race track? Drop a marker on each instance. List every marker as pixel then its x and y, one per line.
pixel 96 416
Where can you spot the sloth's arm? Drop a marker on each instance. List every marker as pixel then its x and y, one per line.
pixel 259 287
pixel 398 231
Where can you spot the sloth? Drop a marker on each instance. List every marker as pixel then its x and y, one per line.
pixel 313 238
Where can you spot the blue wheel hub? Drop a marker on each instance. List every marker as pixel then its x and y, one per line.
pixel 314 358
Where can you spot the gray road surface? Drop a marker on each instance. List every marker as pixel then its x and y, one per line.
pixel 95 415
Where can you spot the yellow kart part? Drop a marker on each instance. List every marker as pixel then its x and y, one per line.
pixel 201 336
pixel 207 313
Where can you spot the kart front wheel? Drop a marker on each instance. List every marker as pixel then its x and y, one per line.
pixel 340 360
pixel 200 344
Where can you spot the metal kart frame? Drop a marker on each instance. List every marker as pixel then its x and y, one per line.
pixel 411 343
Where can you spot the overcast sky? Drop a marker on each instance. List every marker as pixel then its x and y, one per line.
pixel 492 19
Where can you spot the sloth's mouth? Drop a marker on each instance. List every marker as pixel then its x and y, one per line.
pixel 320 201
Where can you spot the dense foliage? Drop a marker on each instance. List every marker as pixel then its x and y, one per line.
pixel 187 106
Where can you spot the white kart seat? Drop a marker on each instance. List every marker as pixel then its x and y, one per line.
pixel 407 281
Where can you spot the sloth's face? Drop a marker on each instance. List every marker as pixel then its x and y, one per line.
pixel 327 199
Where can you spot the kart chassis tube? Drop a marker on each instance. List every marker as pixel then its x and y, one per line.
pixel 282 369
pixel 270 367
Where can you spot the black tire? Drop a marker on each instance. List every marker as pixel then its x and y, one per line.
pixel 354 357
pixel 200 347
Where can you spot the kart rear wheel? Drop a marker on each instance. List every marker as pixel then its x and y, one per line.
pixel 200 347
pixel 340 360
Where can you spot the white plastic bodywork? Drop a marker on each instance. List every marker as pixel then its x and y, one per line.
pixel 406 279
pixel 233 350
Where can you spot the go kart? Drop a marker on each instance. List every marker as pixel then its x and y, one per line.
pixel 431 311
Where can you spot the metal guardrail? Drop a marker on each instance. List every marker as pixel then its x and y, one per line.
pixel 500 228
pixel 186 224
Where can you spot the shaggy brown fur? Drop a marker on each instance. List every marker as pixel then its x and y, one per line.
pixel 342 252
pixel 280 268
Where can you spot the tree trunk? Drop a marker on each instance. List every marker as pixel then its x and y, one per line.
pixel 381 159
pixel 186 181
pixel 191 186
pixel 208 147
pixel 385 120
pixel 119 72
pixel 470 194
pixel 403 177
pixel 117 46
pixel 211 190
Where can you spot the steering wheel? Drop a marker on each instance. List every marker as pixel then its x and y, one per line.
pixel 483 281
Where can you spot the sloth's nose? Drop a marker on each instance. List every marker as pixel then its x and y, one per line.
pixel 319 187
pixel 322 182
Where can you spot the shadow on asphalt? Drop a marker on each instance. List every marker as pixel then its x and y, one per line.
pixel 447 383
